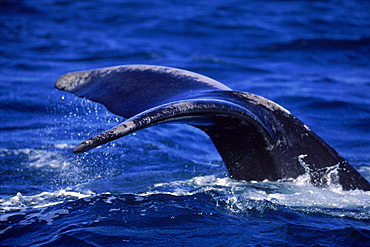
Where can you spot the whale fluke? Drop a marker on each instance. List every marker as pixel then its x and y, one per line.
pixel 129 90
pixel 256 138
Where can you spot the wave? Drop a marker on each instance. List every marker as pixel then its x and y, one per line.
pixel 20 202
pixel 75 214
pixel 122 218
pixel 19 7
pixel 232 194
pixel 326 103
pixel 320 44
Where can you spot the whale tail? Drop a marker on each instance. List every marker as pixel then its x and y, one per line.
pixel 256 138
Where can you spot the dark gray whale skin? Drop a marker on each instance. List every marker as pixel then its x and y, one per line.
pixel 256 138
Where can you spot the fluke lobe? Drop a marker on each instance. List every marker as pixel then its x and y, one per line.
pixel 256 138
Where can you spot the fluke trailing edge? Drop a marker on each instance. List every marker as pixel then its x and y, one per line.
pixel 256 138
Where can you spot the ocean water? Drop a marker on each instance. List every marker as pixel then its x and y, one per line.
pixel 167 185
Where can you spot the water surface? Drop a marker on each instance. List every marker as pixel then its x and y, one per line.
pixel 167 185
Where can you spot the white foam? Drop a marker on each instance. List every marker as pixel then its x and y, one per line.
pixel 39 158
pixel 44 199
pixel 297 192
pixel 64 146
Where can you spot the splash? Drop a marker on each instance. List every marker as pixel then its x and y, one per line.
pixel 298 194
pixel 39 158
pixel 326 177
pixel 44 199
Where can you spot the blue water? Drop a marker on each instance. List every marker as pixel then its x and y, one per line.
pixel 167 185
